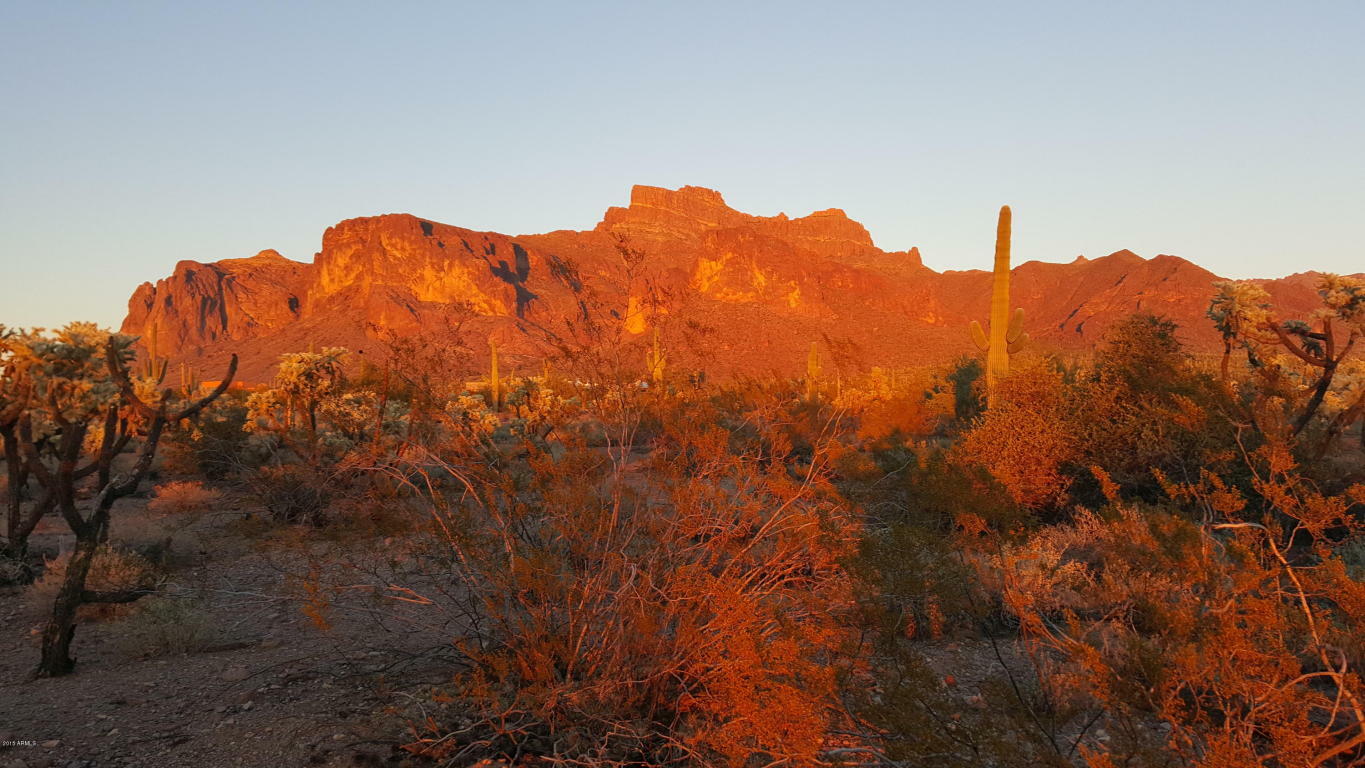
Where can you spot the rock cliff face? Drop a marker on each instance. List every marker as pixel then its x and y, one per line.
pixel 732 293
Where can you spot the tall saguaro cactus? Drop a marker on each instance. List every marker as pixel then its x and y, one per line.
pixel 154 368
pixel 494 379
pixel 1007 329
pixel 655 359
pixel 189 380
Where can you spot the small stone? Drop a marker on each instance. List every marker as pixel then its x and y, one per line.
pixel 113 732
pixel 235 674
pixel 52 744
pixel 247 706
pixel 338 737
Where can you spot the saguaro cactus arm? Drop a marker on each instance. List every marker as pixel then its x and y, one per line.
pixel 979 336
pixel 1016 338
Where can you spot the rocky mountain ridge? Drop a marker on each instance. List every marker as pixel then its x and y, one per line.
pixel 731 293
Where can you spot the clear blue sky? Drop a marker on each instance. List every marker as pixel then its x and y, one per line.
pixel 133 135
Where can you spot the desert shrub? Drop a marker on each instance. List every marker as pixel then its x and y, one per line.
pixel 14 570
pixel 1144 406
pixel 1243 651
pixel 964 381
pixel 918 579
pixel 167 626
pixel 151 539
pixel 1027 439
pixel 685 612
pixel 293 493
pixel 184 497
pixel 214 446
pixel 912 716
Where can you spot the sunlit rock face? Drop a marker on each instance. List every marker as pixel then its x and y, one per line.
pixel 740 294
pixel 225 301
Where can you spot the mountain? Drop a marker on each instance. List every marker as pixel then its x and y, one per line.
pixel 731 293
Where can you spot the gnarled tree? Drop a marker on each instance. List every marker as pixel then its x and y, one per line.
pixel 1317 350
pixel 82 410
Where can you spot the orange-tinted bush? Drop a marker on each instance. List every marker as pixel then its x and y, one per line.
pixel 1025 440
pixel 682 610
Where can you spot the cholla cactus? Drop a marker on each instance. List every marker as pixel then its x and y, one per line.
pixel 655 360
pixel 1345 297
pixel 470 413
pixel 1315 350
pixel 305 379
pixel 82 411
pixel 1007 330
pixel 15 384
pixel 70 374
pixel 1240 311
pixel 813 371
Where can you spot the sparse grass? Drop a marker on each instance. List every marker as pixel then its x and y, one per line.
pixel 167 626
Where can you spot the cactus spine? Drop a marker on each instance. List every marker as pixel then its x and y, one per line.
pixel 494 380
pixel 655 360
pixel 1007 330
pixel 813 372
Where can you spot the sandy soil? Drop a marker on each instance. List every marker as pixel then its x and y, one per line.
pixel 270 688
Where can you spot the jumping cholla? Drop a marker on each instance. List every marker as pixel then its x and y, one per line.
pixel 1007 331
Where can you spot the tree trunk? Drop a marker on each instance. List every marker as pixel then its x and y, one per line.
pixel 14 494
pixel 61 627
pixel 1319 392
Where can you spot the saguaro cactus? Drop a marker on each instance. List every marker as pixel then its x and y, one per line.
pixel 153 368
pixel 1007 330
pixel 813 371
pixel 494 380
pixel 655 359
